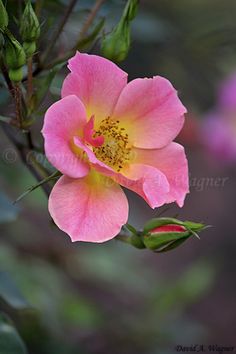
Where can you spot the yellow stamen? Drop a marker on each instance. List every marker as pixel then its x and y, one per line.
pixel 116 150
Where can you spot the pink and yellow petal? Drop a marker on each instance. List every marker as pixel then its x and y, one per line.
pixel 151 112
pixel 97 82
pixel 147 181
pixel 91 209
pixel 62 121
pixel 172 162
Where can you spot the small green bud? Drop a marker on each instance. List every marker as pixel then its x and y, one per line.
pixel 29 29
pixel 16 75
pixel 29 48
pixel 115 46
pixel 14 55
pixel 3 16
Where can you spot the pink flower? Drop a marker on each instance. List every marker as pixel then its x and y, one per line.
pixel 168 228
pixel 104 133
pixel 218 131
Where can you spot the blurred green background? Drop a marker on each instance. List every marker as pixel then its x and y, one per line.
pixel 64 298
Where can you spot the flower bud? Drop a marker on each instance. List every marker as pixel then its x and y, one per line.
pixel 16 75
pixel 115 46
pixel 29 48
pixel 164 234
pixel 29 29
pixel 14 56
pixel 3 17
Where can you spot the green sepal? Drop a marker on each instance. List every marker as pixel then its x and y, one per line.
pixel 156 241
pixel 137 241
pixel 14 56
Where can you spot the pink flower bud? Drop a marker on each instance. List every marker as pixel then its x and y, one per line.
pixel 168 228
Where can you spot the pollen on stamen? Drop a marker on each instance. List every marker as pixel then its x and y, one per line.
pixel 116 150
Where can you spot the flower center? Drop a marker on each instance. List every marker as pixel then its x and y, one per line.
pixel 116 150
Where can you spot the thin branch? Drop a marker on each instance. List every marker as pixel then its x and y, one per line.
pixel 59 29
pixel 16 94
pixel 38 7
pixel 91 17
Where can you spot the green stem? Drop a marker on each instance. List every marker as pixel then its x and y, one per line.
pixel 123 238
pixel 18 104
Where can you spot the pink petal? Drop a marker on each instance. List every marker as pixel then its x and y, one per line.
pixel 89 132
pixel 147 181
pixel 96 81
pixel 88 209
pixel 150 183
pixel 172 162
pixel 62 121
pixel 151 111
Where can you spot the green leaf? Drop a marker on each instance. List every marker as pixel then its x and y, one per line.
pixel 10 341
pixel 8 212
pixel 10 293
